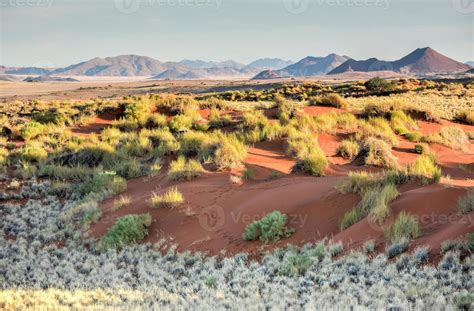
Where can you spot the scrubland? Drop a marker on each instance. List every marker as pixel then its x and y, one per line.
pixel 303 196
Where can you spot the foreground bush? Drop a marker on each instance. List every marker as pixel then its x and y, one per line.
pixel 106 182
pixel 374 203
pixel 230 153
pixel 405 228
pixel 466 117
pixel 379 153
pixel 425 169
pixel 313 163
pixel 348 149
pixel 333 100
pixel 182 169
pixel 271 227
pixel 169 199
pixel 127 230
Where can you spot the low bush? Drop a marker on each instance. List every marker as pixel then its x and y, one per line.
pixel 199 144
pixel 397 248
pixel 374 203
pixel 422 148
pixel 466 203
pixel 182 169
pixel 181 123
pixel 297 265
pixel 80 173
pixel 451 136
pixel 405 228
pixel 348 149
pixel 333 100
pixel 217 120
pixel 369 247
pixel 230 153
pixel 376 128
pixel 169 199
pixel 313 163
pixel 413 136
pixel 107 182
pixel 91 216
pixel 358 182
pixel 156 120
pixel 336 249
pixel 248 174
pixel 379 85
pixel 450 245
pixel 122 201
pixel 378 153
pixel 32 130
pixel 127 230
pixel 402 123
pixel 33 152
pixel 424 169
pixel 469 243
pixel 466 117
pixel 271 227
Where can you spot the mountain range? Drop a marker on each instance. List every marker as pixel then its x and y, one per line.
pixel 423 61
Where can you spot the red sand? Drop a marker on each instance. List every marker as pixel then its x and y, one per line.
pixel 216 212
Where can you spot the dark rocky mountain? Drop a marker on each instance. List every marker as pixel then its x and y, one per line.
pixel 307 67
pixel 420 62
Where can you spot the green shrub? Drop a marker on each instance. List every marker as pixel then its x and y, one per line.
pixel 80 173
pixel 180 169
pixel 33 152
pixel 405 228
pixel 359 182
pixel 127 230
pixel 297 265
pixel 181 123
pixel 402 123
pixel 138 111
pixel 425 169
pixel 374 202
pixel 32 130
pixel 156 120
pixel 199 144
pixel 217 120
pixel 413 136
pixel 378 128
pixel 248 174
pixel 51 116
pixel 129 168
pixel 171 198
pixel 163 142
pixel 379 85
pixel 230 153
pixel 466 203
pixel 469 243
pixel 422 148
pixel 91 216
pixel 348 149
pixel 104 182
pixel 378 153
pixel 336 249
pixel 369 247
pixel 313 163
pixel 271 227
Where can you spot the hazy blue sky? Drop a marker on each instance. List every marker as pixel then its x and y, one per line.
pixel 62 32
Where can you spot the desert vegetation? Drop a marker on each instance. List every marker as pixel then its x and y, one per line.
pixel 250 198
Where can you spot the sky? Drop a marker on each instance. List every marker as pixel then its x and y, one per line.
pixel 57 33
